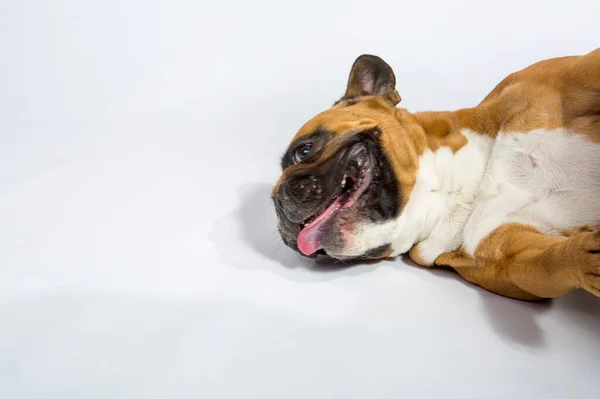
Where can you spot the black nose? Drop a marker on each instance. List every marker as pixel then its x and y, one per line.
pixel 278 203
pixel 278 197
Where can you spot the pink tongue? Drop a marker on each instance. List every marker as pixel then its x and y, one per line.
pixel 309 239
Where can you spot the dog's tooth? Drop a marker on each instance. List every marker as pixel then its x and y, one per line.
pixel 344 182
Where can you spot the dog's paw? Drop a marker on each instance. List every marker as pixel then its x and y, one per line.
pixel 590 244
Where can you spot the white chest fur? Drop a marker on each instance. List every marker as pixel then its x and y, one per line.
pixel 442 199
pixel 439 204
pixel 547 179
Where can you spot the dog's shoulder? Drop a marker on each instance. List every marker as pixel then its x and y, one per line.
pixel 555 93
pixel 580 94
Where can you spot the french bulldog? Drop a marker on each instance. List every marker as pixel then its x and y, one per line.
pixel 507 193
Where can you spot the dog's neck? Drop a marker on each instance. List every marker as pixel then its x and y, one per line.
pixel 442 128
pixel 452 164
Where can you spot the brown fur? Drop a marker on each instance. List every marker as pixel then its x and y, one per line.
pixel 514 260
pixel 517 261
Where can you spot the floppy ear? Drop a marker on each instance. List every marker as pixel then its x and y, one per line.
pixel 372 76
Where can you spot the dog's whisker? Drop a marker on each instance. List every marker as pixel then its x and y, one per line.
pixel 340 260
pixel 301 258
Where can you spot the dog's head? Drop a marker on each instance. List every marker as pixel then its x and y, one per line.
pixel 349 169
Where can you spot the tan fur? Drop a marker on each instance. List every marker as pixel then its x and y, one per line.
pixel 514 260
pixel 517 261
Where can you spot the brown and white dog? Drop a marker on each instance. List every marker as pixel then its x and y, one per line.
pixel 507 193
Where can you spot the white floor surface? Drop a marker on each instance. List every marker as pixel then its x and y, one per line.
pixel 138 249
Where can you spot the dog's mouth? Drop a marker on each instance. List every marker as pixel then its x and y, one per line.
pixel 357 177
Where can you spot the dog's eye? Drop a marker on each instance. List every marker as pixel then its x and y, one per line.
pixel 302 152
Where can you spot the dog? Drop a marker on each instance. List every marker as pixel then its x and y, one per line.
pixel 506 193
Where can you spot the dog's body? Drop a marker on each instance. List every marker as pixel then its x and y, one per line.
pixel 504 192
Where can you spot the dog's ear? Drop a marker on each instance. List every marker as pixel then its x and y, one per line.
pixel 372 76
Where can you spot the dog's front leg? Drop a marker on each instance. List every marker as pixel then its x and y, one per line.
pixel 519 262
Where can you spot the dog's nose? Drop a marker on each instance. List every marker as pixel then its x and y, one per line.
pixel 283 200
pixel 278 203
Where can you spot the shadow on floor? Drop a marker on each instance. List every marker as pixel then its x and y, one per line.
pixel 247 238
pixel 250 232
pixel 518 322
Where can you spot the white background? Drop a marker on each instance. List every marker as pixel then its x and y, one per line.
pixel 138 249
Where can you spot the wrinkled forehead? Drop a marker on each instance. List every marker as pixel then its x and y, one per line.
pixel 342 118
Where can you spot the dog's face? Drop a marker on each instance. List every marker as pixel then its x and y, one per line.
pixel 349 170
